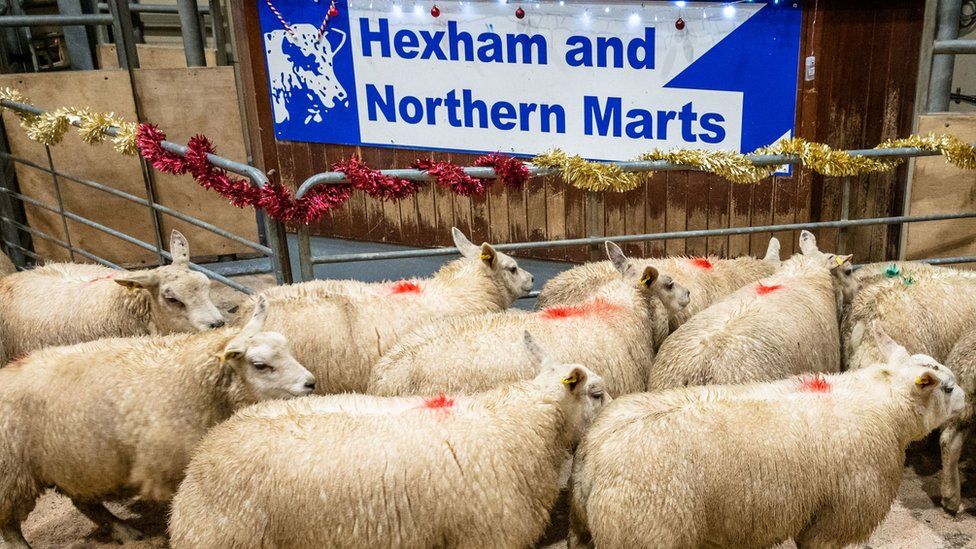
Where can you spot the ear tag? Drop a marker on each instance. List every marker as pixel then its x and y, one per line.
pixel 892 271
pixel 920 382
pixel 222 357
pixel 646 280
pixel 908 281
pixel 839 260
pixel 570 379
pixel 485 256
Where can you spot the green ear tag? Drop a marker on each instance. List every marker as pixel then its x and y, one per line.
pixel 891 271
pixel 908 281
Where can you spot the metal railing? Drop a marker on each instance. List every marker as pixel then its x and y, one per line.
pixel 276 250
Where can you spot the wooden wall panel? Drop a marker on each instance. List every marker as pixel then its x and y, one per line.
pixel 866 58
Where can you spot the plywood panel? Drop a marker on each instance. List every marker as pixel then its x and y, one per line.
pixel 100 90
pixel 938 187
pixel 186 102
pixel 152 56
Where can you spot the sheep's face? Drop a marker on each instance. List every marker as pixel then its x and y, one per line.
pixel 268 368
pixel 180 298
pixel 515 281
pixel 931 386
pixel 842 275
pixel 674 296
pixel 584 394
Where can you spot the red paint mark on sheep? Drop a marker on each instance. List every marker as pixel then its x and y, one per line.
pixel 598 308
pixel 109 276
pixel 439 402
pixel 701 262
pixel 404 287
pixel 814 384
pixel 762 289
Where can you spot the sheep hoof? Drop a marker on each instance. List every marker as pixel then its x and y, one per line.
pixel 123 533
pixel 951 505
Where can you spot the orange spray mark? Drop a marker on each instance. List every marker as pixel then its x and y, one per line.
pixel 109 276
pixel 814 384
pixel 404 287
pixel 701 262
pixel 439 402
pixel 762 289
pixel 598 308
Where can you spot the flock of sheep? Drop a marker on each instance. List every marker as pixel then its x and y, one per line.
pixel 682 402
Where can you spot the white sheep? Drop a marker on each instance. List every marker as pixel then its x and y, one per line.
pixel 925 308
pixel 708 279
pixel 611 333
pixel 353 471
pixel 815 458
pixel 339 336
pixel 958 428
pixel 66 303
pixel 782 325
pixel 119 417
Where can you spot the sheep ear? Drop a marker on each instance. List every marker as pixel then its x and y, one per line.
pixel 927 381
pixel 772 251
pixel 136 280
pixel 575 379
pixel 256 323
pixel 893 353
pixel 536 354
pixel 649 277
pixel 464 245
pixel 837 261
pixel 488 254
pixel 808 243
pixel 616 256
pixel 179 248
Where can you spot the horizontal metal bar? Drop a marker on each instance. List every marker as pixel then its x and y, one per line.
pixel 589 241
pixel 133 198
pixel 948 260
pixel 23 250
pixel 55 20
pixel 333 178
pixel 152 8
pixel 62 243
pixel 256 176
pixel 958 46
pixel 122 236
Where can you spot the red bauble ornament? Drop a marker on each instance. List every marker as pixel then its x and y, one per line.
pixel 520 13
pixel 679 24
pixel 333 11
pixel 435 11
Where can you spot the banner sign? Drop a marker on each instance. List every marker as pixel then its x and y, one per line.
pixel 606 81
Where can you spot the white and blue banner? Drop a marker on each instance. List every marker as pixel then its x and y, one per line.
pixel 604 80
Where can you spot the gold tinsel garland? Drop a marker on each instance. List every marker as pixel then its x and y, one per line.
pixel 49 128
pixel 737 168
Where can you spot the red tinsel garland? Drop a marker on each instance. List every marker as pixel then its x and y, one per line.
pixel 277 200
pixel 512 171
pixel 452 176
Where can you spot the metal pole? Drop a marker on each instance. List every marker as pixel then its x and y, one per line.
pixel 76 38
pixel 940 81
pixel 57 194
pixel 10 209
pixel 845 214
pixel 122 29
pixel 220 40
pixel 592 222
pixel 305 267
pixel 154 214
pixel 190 27
pixel 281 256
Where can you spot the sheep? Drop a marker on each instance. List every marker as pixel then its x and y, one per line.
pixel 817 458
pixel 118 417
pixel 359 471
pixel 925 308
pixel 782 325
pixel 610 333
pixel 7 267
pixel 955 431
pixel 339 336
pixel 65 303
pixel 708 279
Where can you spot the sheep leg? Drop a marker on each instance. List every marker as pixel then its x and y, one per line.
pixel 13 537
pixel 97 513
pixel 951 441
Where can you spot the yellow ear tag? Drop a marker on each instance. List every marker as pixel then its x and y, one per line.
pixel 485 256
pixel 645 280
pixel 839 260
pixel 921 382
pixel 570 379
